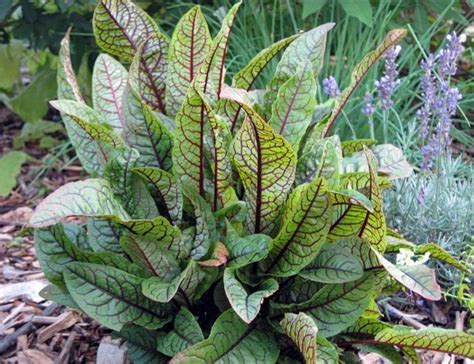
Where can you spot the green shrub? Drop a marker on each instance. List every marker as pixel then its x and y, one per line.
pixel 197 244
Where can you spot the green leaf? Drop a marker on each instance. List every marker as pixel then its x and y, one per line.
pixel 247 250
pixel 417 278
pixel 103 235
pixel 364 327
pixel 312 6
pixel 360 9
pixel 166 188
pixel 303 331
pixel 294 105
pixel 186 333
pixel 10 62
pixel 441 255
pixel 113 297
pixel 150 255
pixel 246 77
pixel 352 146
pixel 189 46
pixel 351 197
pixel 390 162
pixel 266 165
pixel 109 80
pixel 145 132
pixel 431 338
pixel 55 294
pixel 205 225
pixel 231 340
pixel 91 197
pixel 246 305
pixel 31 104
pixel 304 230
pixel 359 72
pixel 10 165
pixel 354 220
pixel 333 265
pixel 159 229
pixel 336 306
pixel 308 48
pixel 141 344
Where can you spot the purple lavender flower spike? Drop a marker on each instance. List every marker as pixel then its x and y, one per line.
pixel 428 93
pixel 368 109
pixel 330 87
pixel 388 82
pixel 449 55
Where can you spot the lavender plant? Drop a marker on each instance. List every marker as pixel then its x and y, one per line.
pixel 198 245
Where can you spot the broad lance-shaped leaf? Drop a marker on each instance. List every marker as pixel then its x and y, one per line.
pixel 113 297
pixel 266 164
pixel 91 197
pixel 121 28
pixel 103 235
pixel 359 72
pixel 334 307
pixel 150 255
pixel 417 278
pixel 231 341
pixel 294 104
pixel 355 220
pixel 109 80
pixel 186 333
pixel 353 146
pixel 304 230
pixel 441 255
pixel 390 162
pixel 68 88
pixel 141 344
pixel 128 187
pixel 247 250
pixel 166 188
pixel 245 78
pixel 145 132
pixel 246 305
pixel 189 46
pixel 431 338
pixel 221 168
pixel 333 265
pixel 309 47
pixel 302 329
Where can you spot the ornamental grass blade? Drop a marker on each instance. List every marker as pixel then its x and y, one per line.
pixel 231 340
pixel 109 80
pixel 417 278
pixel 302 330
pixel 189 47
pixel 266 164
pixel 113 297
pixel 121 28
pixel 145 132
pixel 333 265
pixel 336 306
pixel 186 332
pixel 359 72
pixel 304 231
pixel 246 305
pixel 89 198
pixel 293 106
pixel 354 220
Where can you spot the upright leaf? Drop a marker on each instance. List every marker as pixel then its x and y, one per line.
pixel 123 29
pixel 113 297
pixel 309 47
pixel 167 190
pixel 247 250
pixel 68 87
pixel 91 197
pixel 360 71
pixel 246 305
pixel 294 105
pixel 186 332
pixel 333 265
pixel 109 80
pixel 336 306
pixel 145 132
pixel 103 235
pixel 231 340
pixel 266 164
pixel 304 230
pixel 303 331
pixel 189 46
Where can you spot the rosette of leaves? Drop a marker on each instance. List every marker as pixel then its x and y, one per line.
pixel 219 226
